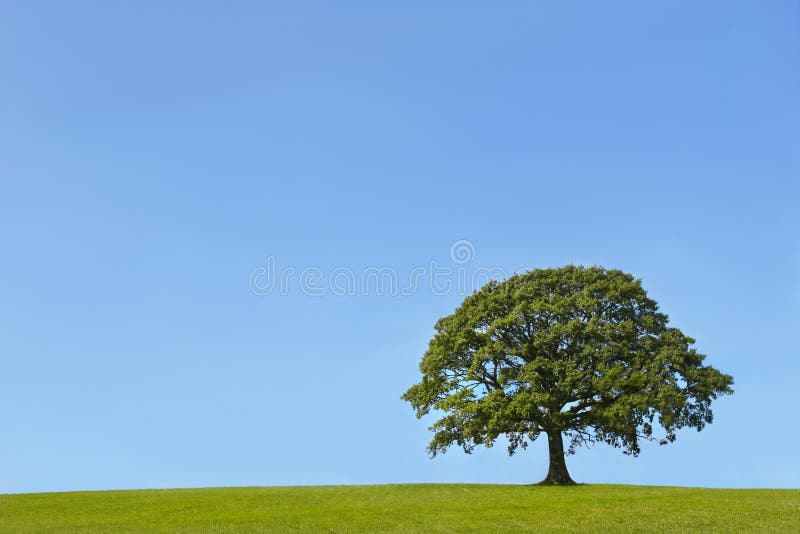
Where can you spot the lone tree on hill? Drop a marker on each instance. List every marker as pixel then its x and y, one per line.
pixel 574 351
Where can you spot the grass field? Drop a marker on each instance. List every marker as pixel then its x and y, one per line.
pixel 406 508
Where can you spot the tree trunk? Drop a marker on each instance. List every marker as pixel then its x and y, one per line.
pixel 557 475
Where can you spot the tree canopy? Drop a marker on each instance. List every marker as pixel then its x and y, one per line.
pixel 575 351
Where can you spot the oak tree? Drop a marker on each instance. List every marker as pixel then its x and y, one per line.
pixel 573 352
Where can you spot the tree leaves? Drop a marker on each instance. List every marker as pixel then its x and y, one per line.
pixel 582 351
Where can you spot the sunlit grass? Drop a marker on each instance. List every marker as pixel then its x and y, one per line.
pixel 405 508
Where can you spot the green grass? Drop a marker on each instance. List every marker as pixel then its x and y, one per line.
pixel 406 508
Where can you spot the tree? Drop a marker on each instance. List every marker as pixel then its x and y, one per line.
pixel 574 351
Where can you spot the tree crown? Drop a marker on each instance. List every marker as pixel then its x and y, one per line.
pixel 577 350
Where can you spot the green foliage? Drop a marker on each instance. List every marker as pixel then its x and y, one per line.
pixel 580 351
pixel 428 508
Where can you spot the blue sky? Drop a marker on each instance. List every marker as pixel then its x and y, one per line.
pixel 153 156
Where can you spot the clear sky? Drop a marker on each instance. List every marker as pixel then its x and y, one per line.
pixel 155 157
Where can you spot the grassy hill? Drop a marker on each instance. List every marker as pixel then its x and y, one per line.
pixel 405 508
